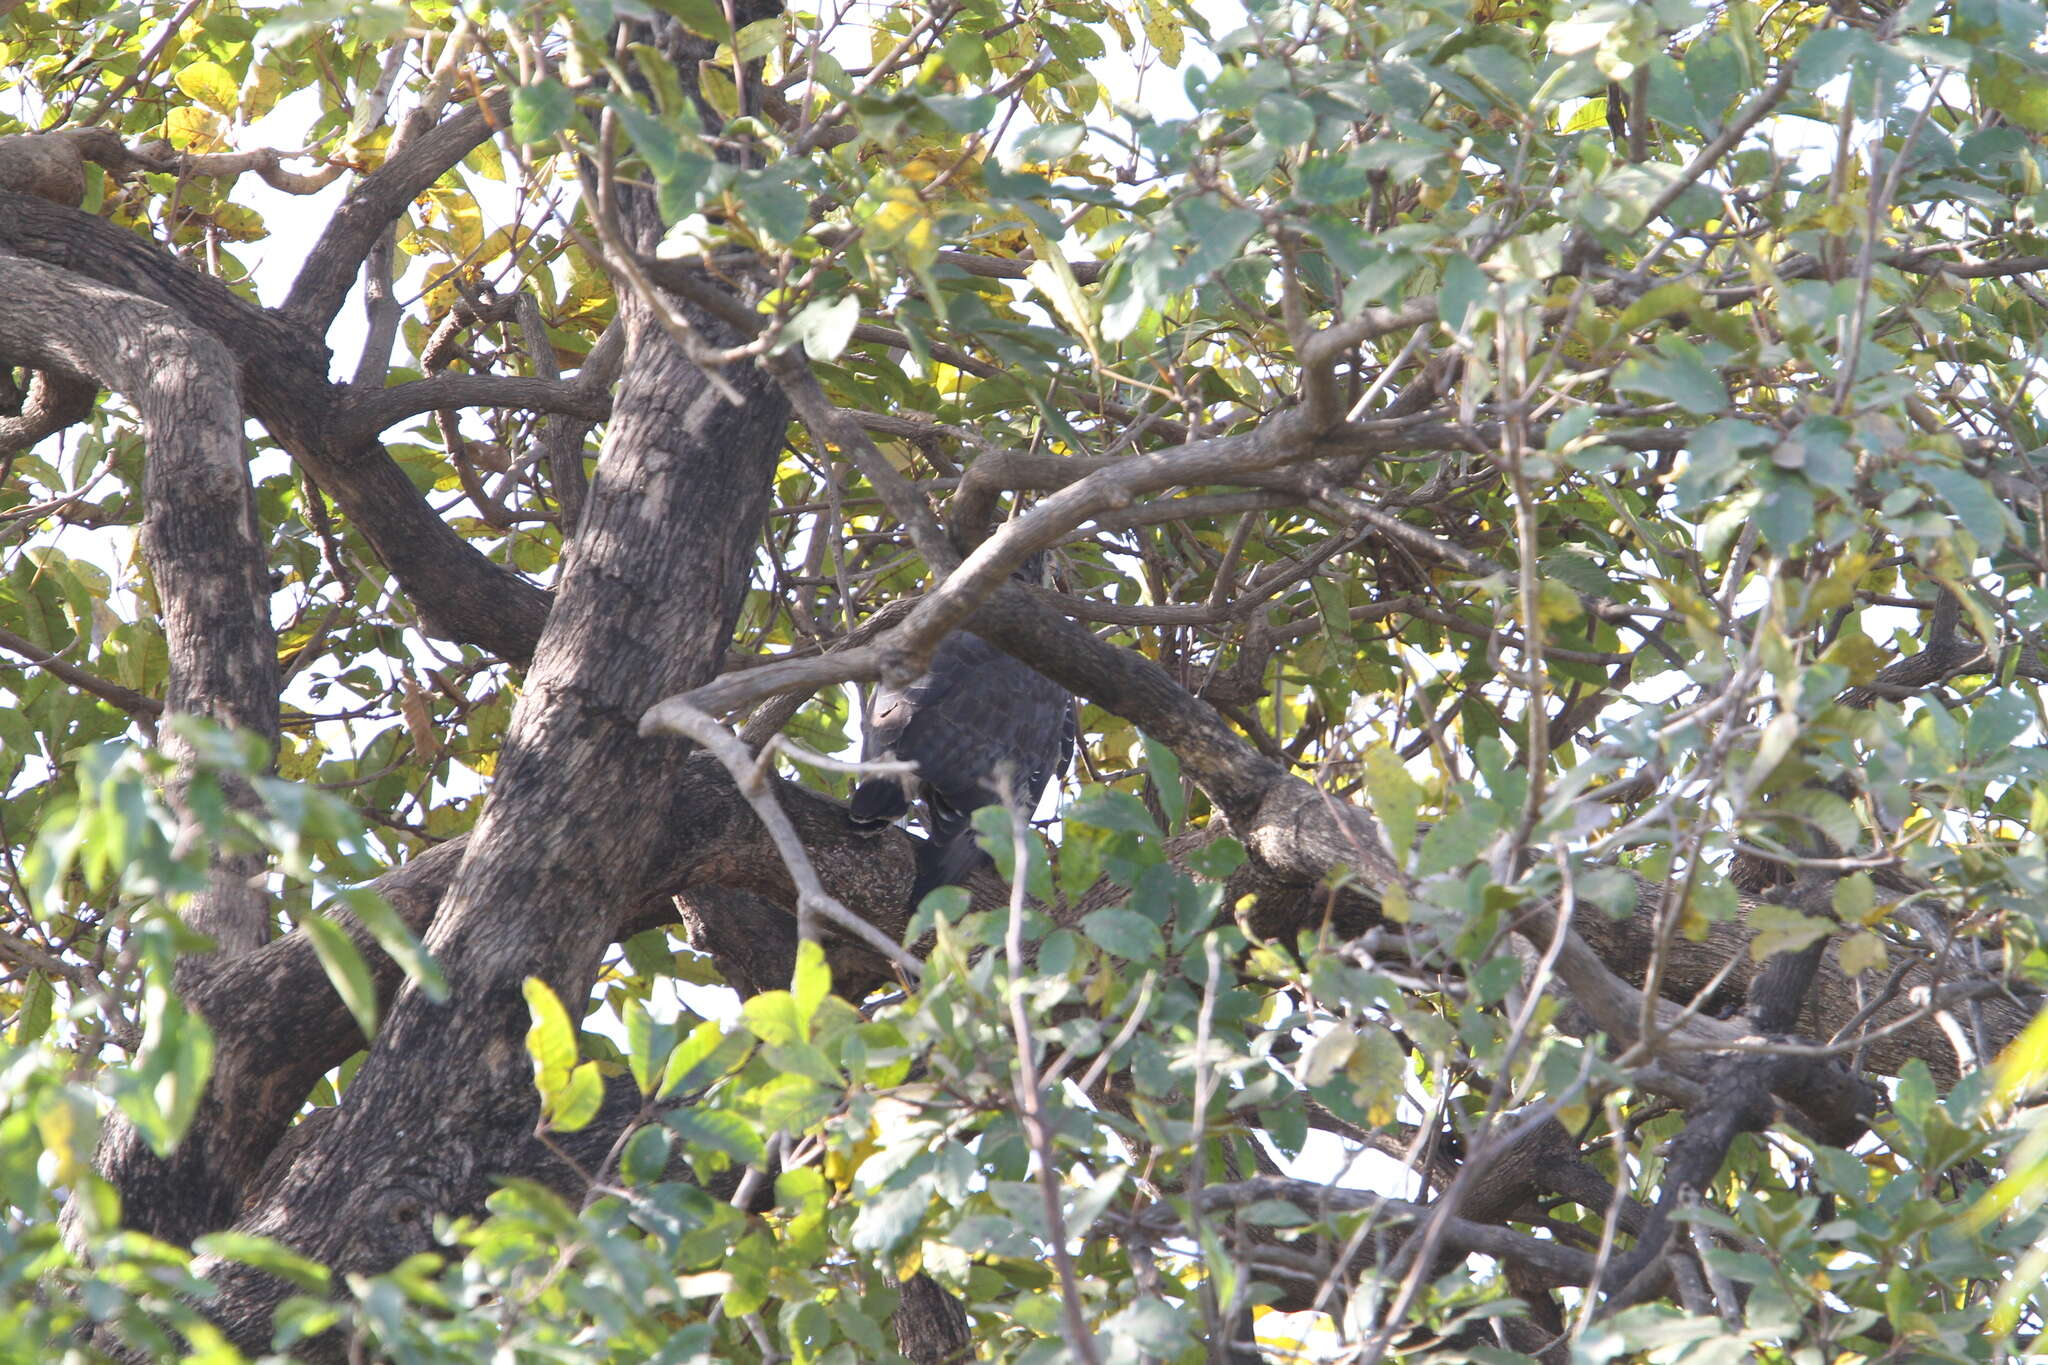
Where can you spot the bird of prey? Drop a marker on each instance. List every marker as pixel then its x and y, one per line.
pixel 977 713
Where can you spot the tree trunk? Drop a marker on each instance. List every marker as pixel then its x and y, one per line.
pixel 646 606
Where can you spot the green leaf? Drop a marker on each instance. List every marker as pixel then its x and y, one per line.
pixel 1330 180
pixel 887 1218
pixel 265 1255
pixel 705 18
pixel 1165 771
pixel 1216 233
pixel 811 983
pixel 1973 502
pixel 1864 952
pixel 345 968
pixel 717 1131
pixel 541 111
pixel 368 23
pixel 1126 933
pixel 1854 897
pixel 1784 514
pixel 775 1018
pixel 576 1103
pixel 1395 797
pixel 649 1043
pixel 1113 810
pixel 397 939
pixel 1464 293
pixel 1677 372
pixel 646 1157
pixel 822 327
pixel 1284 119
pixel 1779 930
pixel 1154 1326
pixel 37 1010
pixel 776 209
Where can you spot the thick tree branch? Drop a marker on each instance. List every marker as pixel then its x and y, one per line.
pixel 374 204
pixel 53 402
pixel 367 414
pixel 460 594
pixel 205 553
pixel 199 526
pixel 648 602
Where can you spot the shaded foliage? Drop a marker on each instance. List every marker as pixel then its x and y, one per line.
pixel 1545 516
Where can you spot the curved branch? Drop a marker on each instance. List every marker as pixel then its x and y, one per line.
pixel 375 203
pixel 1556 1263
pixel 54 401
pixel 461 595
pixel 364 415
pixel 199 523
pixel 144 708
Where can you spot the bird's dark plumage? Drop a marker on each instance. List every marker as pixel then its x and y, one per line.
pixel 978 712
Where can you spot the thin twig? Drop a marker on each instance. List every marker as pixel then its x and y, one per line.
pixel 1030 1098
pixel 815 905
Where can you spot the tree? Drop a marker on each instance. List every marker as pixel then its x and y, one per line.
pixel 1547 534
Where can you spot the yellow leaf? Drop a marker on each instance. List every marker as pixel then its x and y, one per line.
pixel 1326 1054
pixel 2023 1066
pixel 367 149
pixel 551 1042
pixel 240 222
pixel 926 167
pixel 1838 589
pixel 211 84
pixel 487 162
pixel 266 87
pixel 57 1122
pixel 501 241
pixel 718 91
pixel 1863 953
pixel 465 221
pixel 1394 904
pixel 1163 27
pixel 1378 1068
pixel 190 128
pixel 1051 276
pixel 1857 653
pixel 904 222
pixel 1556 602
pixel 1776 741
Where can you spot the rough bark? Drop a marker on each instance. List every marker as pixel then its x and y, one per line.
pixel 460 594
pixel 199 529
pixel 205 553
pixel 52 402
pixel 280 1027
pixel 931 1325
pixel 647 603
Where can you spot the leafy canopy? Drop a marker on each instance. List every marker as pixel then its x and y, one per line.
pixel 1691 381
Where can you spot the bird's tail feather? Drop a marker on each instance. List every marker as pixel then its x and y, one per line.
pixel 945 862
pixel 878 801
